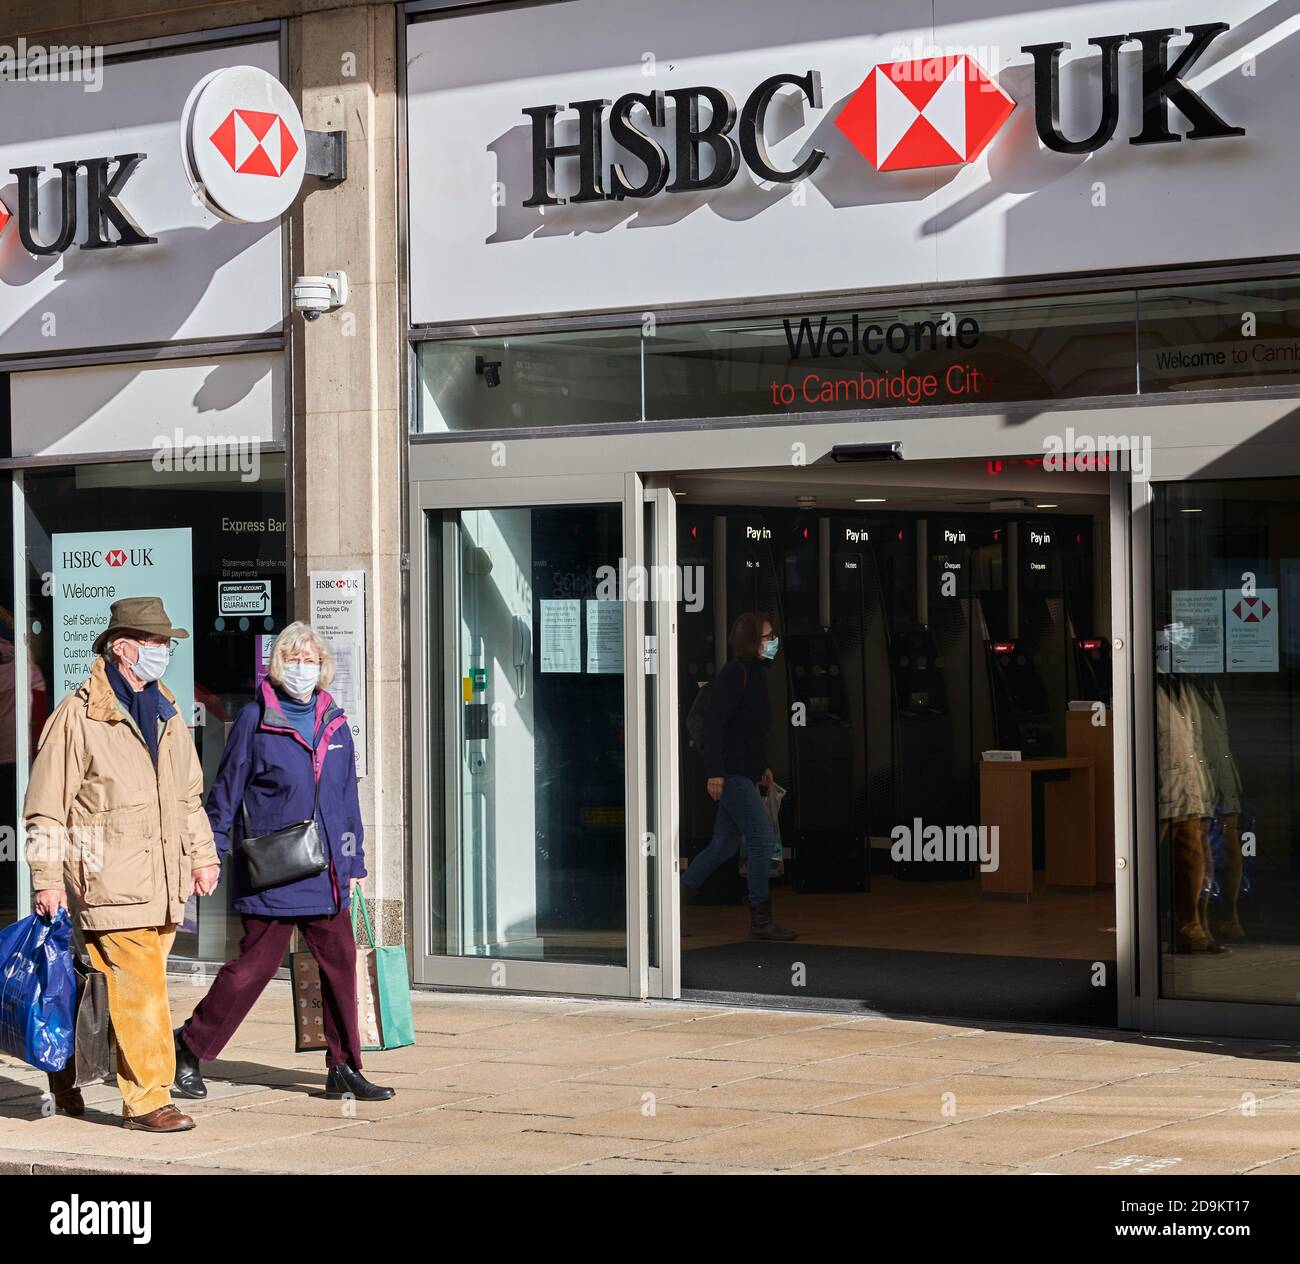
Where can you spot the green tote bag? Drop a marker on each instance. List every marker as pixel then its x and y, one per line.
pixel 396 1023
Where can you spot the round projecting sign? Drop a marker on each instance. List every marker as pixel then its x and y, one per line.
pixel 243 144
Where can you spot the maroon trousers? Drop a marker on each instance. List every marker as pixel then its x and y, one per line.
pixel 243 979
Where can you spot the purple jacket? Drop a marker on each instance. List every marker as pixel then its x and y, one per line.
pixel 267 767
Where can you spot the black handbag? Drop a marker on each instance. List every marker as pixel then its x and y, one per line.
pixel 285 855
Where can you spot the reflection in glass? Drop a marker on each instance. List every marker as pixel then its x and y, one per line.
pixel 1227 702
pixel 237 532
pixel 539 869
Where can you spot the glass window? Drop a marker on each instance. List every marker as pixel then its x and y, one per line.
pixel 1200 336
pixel 892 358
pixel 539 869
pixel 96 532
pixel 1226 610
pixel 1195 337
pixel 537 380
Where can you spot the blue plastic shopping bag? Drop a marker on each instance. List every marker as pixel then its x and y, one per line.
pixel 38 991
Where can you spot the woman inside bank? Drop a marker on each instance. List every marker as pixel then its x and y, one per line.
pixel 736 721
pixel 288 761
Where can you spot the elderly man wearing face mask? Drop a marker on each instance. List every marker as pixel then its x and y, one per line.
pixel 117 834
pixel 288 760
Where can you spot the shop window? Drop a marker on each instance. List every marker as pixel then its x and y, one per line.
pixel 212 544
pixel 1226 613
pixel 1199 336
pixel 1106 345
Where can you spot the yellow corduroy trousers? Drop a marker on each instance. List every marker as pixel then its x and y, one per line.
pixel 135 964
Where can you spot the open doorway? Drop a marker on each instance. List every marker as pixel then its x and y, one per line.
pixel 940 725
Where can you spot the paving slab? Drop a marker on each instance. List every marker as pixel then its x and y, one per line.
pixel 505 1084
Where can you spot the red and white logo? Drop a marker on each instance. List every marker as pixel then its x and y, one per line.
pixel 934 112
pixel 243 144
pixel 1252 610
pixel 115 557
pixel 255 142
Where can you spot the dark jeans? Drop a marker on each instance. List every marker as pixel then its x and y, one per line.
pixel 242 980
pixel 741 814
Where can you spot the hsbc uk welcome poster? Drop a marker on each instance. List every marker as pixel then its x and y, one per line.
pixel 93 569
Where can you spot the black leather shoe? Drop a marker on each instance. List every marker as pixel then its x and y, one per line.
pixel 343 1081
pixel 189 1076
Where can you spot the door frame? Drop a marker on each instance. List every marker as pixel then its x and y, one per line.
pixel 1247 1019
pixel 435 799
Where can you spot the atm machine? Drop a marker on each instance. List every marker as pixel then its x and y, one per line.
pixel 822 823
pixel 697 659
pixel 1028 662
pixel 860 624
pixel 923 733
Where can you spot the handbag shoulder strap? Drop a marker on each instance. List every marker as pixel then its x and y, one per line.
pixel 315 801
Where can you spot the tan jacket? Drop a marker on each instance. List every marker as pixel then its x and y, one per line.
pixel 120 837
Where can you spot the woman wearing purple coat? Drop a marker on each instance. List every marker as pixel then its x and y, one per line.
pixel 281 745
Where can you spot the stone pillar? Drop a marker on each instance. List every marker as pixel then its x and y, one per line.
pixel 348 426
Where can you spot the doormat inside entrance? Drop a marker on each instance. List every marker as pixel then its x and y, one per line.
pixel 900 981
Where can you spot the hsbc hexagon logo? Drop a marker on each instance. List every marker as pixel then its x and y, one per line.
pixel 934 112
pixel 243 144
pixel 255 143
pixel 115 557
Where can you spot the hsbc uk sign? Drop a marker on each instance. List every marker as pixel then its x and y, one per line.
pixel 243 150
pixel 930 112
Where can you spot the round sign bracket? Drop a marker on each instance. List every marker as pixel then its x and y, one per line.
pixel 327 156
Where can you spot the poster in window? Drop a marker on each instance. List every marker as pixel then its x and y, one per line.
pixel 1197 638
pixel 561 635
pixel 338 613
pixel 93 569
pixel 605 638
pixel 1252 630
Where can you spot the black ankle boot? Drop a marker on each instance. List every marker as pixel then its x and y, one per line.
pixel 343 1081
pixel 189 1075
pixel 762 926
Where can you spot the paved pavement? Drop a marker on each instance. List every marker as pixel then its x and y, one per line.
pixel 526 1084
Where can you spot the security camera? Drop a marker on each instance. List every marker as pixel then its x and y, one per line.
pixel 488 370
pixel 313 295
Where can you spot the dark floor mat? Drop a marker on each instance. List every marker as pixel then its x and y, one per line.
pixel 896 981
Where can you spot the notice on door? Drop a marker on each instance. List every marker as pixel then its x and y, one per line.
pixel 605 638
pixel 1252 630
pixel 338 613
pixel 1196 639
pixel 561 635
pixel 93 569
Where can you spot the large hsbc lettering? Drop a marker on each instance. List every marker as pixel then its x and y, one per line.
pixel 730 137
pixel 691 137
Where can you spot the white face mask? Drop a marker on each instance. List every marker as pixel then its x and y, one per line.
pixel 151 661
pixel 300 679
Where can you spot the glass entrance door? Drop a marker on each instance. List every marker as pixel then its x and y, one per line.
pixel 530 872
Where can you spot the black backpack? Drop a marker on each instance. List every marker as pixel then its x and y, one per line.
pixel 699 708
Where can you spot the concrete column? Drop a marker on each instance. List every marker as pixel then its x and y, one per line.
pixel 348 427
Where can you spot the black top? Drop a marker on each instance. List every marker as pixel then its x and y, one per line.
pixel 736 720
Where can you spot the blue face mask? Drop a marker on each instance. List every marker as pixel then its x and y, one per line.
pixel 769 649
